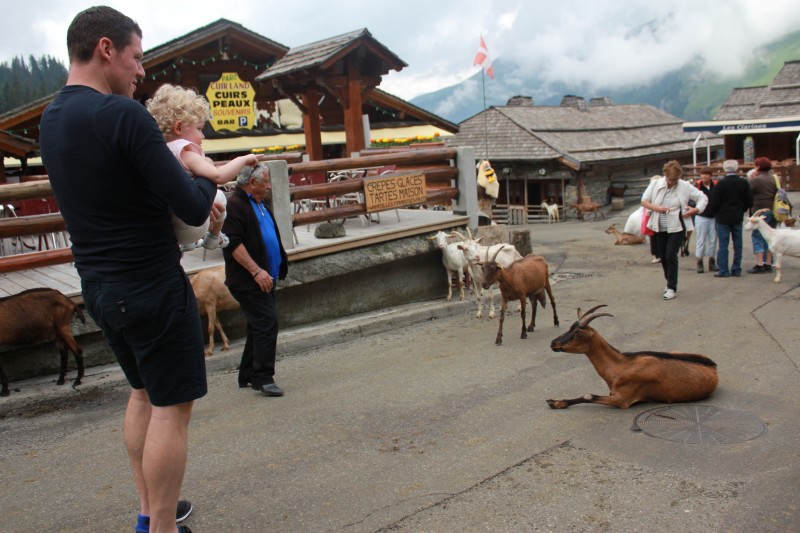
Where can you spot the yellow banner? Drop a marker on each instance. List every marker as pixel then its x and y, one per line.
pixel 389 192
pixel 232 103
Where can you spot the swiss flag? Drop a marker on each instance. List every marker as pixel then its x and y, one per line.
pixel 482 58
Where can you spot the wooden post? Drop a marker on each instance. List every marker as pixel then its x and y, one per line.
pixel 281 200
pixel 353 123
pixel 311 124
pixel 467 203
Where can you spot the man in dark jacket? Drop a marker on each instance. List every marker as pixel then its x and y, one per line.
pixel 729 201
pixel 254 260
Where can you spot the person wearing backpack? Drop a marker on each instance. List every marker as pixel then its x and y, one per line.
pixel 764 188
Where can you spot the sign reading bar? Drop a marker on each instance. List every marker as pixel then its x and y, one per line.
pixel 232 103
pixel 389 192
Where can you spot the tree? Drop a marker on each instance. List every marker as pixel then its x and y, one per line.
pixel 21 83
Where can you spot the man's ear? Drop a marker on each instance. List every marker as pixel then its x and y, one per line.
pixel 104 47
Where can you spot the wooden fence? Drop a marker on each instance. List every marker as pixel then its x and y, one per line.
pixel 447 171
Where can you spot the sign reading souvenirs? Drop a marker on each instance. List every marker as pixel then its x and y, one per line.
pixel 232 103
pixel 388 192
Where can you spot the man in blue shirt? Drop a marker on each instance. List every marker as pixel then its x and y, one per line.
pixel 254 260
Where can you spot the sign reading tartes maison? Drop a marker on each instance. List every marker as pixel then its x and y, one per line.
pixel 389 192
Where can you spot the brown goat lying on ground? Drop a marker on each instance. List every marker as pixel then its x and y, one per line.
pixel 635 376
pixel 526 278
pixel 40 315
pixel 591 207
pixel 213 295
pixel 624 238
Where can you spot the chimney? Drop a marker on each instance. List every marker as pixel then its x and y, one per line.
pixel 571 100
pixel 520 101
pixel 600 101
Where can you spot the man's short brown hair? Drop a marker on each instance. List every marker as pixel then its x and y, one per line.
pixel 90 25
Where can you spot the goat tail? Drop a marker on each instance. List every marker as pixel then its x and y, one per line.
pixel 79 314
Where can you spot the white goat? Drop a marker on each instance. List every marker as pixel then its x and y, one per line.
pixel 552 212
pixel 476 254
pixel 781 241
pixel 453 261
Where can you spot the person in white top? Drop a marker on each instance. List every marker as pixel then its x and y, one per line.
pixel 181 114
pixel 671 216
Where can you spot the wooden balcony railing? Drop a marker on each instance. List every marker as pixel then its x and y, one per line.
pixel 447 170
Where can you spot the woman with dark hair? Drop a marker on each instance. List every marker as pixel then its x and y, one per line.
pixel 671 215
pixel 763 185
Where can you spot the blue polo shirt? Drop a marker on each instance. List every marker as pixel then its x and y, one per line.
pixel 267 227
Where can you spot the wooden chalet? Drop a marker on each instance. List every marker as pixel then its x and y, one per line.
pixel 575 150
pixel 768 116
pixel 344 73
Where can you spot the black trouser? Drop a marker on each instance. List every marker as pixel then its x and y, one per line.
pixel 669 244
pixel 258 358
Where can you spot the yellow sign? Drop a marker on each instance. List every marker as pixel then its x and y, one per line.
pixel 232 103
pixel 388 192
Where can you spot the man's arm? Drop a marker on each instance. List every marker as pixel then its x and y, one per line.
pixel 261 276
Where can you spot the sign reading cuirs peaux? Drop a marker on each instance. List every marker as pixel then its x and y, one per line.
pixel 232 103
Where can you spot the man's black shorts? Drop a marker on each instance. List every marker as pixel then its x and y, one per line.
pixel 153 326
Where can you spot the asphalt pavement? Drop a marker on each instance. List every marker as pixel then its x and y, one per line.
pixel 412 419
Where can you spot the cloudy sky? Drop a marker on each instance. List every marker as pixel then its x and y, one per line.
pixel 595 41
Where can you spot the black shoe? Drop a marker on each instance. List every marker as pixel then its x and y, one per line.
pixel 758 269
pixel 767 268
pixel 271 389
pixel 184 529
pixel 721 275
pixel 244 384
pixel 184 510
pixel 737 274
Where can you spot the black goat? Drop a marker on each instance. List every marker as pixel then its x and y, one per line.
pixel 40 315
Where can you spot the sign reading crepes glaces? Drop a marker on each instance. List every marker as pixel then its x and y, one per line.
pixel 232 102
pixel 389 192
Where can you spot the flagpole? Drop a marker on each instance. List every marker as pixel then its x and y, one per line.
pixel 485 118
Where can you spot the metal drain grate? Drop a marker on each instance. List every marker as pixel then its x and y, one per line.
pixel 699 424
pixel 564 276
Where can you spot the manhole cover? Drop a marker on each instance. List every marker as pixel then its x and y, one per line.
pixel 699 424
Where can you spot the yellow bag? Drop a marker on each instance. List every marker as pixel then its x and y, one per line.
pixel 782 207
pixel 487 179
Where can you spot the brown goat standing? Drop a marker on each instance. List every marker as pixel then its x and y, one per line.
pixel 635 376
pixel 526 278
pixel 591 207
pixel 213 295
pixel 40 315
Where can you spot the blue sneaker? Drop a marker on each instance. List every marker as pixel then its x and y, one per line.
pixel 182 512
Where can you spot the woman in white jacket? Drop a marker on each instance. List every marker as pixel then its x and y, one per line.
pixel 667 199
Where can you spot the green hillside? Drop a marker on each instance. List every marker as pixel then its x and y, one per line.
pixel 692 92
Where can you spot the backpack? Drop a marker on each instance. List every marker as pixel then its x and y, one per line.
pixel 781 207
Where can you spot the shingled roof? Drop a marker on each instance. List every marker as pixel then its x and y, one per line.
pixel 323 54
pixel 781 98
pixel 578 133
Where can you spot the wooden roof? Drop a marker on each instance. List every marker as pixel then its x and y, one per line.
pixel 781 98
pixel 18 146
pixel 580 133
pixel 220 29
pixel 302 65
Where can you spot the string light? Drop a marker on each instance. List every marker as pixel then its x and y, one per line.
pixel 203 62
pixel 23 132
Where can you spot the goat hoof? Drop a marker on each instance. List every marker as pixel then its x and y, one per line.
pixel 556 404
pixel 60 382
pixel 5 393
pixel 498 341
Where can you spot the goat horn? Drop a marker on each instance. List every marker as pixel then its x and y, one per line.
pixel 456 234
pixel 760 211
pixel 469 233
pixel 588 318
pixel 590 311
pixel 497 253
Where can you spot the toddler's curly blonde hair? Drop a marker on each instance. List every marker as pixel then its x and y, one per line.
pixel 172 103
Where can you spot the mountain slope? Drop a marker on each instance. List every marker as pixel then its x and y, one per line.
pixel 692 92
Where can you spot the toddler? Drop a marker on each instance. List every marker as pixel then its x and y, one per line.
pixel 181 114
